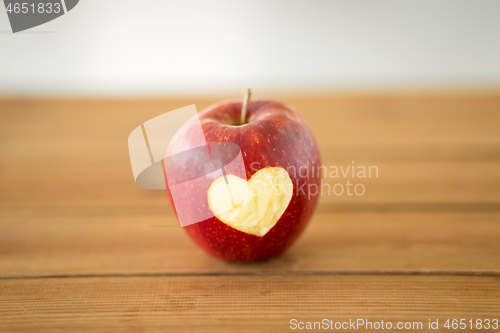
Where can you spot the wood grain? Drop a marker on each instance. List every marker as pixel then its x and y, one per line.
pixel 92 243
pixel 241 304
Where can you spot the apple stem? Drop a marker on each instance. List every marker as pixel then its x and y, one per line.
pixel 244 107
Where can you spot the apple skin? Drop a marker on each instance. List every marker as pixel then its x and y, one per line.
pixel 275 135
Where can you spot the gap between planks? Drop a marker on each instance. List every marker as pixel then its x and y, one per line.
pixel 249 274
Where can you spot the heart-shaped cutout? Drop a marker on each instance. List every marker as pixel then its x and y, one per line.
pixel 255 206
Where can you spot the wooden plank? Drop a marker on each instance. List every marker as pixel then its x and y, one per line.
pixel 428 149
pixel 241 303
pixel 40 184
pixel 94 242
pixel 72 131
pixel 363 121
pixel 419 182
pixel 382 119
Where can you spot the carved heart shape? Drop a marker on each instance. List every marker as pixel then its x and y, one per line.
pixel 255 206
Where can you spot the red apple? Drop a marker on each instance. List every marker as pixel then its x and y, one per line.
pixel 279 151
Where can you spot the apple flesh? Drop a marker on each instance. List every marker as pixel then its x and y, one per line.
pixel 255 206
pixel 266 212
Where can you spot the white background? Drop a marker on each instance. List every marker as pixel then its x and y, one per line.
pixel 158 47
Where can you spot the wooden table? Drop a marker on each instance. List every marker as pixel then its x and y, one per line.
pixel 82 247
